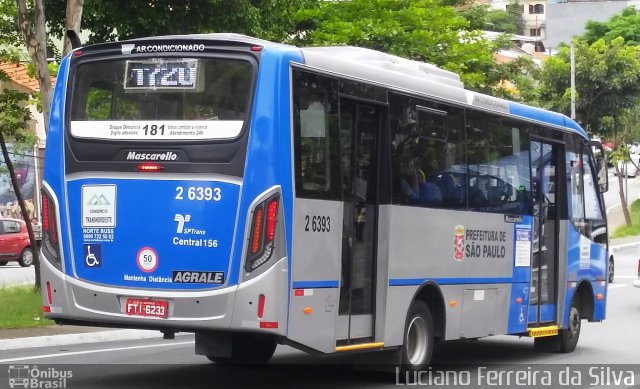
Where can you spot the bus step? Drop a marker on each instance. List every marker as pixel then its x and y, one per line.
pixel 360 346
pixel 539 332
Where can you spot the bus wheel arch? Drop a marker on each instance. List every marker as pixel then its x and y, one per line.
pixel 423 326
pixel 431 295
pixel 584 297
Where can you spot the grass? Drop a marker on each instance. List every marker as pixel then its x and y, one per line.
pixel 634 230
pixel 21 307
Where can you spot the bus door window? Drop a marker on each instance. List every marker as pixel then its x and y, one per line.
pixel 544 162
pixel 359 125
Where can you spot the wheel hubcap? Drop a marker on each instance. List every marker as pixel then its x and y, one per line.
pixel 417 341
pixel 574 323
pixel 27 257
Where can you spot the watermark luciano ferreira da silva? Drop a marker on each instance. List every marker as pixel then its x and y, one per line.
pixel 537 376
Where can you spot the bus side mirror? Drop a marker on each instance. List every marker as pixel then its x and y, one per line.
pixel 601 166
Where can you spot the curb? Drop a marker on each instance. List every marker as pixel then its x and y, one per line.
pixel 69 339
pixel 625 246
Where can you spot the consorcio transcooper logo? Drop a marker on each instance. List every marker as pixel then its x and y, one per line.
pixel 458 243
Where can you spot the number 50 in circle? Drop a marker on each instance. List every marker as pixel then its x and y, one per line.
pixel 147 259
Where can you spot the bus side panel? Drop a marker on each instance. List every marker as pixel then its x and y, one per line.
pixel 315 274
pixel 518 310
pixel 564 255
pixel 399 298
pixel 470 254
pixel 268 162
pixel 54 156
pixel 586 260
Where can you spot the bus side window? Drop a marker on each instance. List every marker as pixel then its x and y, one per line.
pixel 427 152
pixel 575 192
pixel 316 136
pixel 596 228
pixel 498 164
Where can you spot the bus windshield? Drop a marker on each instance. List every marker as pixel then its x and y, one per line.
pixel 160 98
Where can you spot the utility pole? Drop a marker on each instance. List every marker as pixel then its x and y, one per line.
pixel 573 82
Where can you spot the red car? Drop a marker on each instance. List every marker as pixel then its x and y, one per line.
pixel 14 242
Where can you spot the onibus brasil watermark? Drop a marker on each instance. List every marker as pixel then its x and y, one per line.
pixel 537 376
pixel 32 377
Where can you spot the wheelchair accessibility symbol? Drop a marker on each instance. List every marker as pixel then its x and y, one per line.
pixel 92 255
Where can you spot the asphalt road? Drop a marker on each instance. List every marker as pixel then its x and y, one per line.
pixel 161 363
pixel 12 274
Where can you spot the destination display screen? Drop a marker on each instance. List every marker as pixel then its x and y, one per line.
pixel 173 74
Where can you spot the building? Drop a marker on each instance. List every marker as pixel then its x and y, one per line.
pixel 568 18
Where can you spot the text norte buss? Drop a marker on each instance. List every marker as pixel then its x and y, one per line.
pixel 332 199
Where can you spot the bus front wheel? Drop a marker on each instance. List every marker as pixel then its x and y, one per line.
pixel 567 339
pixel 418 338
pixel 248 349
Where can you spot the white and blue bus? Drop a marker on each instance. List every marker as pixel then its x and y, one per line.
pixel 333 199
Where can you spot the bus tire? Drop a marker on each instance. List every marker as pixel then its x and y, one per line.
pixel 3 263
pixel 26 258
pixel 567 338
pixel 248 349
pixel 570 335
pixel 418 338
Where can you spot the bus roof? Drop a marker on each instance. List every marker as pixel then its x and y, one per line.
pixel 392 71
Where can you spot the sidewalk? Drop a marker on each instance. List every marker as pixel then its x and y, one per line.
pixel 12 339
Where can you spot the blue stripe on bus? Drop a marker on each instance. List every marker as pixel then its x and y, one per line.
pixel 269 148
pixel 449 281
pixel 54 168
pixel 316 284
pixel 545 116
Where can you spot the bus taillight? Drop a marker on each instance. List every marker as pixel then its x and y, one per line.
pixel 272 212
pixel 256 230
pixel 50 241
pixel 263 233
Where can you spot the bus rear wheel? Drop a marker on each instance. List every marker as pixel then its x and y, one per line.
pixel 248 349
pixel 418 338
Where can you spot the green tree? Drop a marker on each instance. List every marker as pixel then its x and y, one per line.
pixel 606 82
pixel 420 30
pixel 481 17
pixel 109 20
pixel 607 89
pixel 626 25
pixel 14 115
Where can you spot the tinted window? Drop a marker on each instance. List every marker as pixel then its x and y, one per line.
pixel 427 142
pixel 497 164
pixel 219 93
pixel 316 136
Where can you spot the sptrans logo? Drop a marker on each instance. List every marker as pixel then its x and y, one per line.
pixel 24 376
pixel 458 243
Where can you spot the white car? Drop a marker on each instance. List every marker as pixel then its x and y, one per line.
pixel 631 168
pixel 634 148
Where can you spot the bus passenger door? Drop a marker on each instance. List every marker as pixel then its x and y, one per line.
pixel 544 264
pixel 359 127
